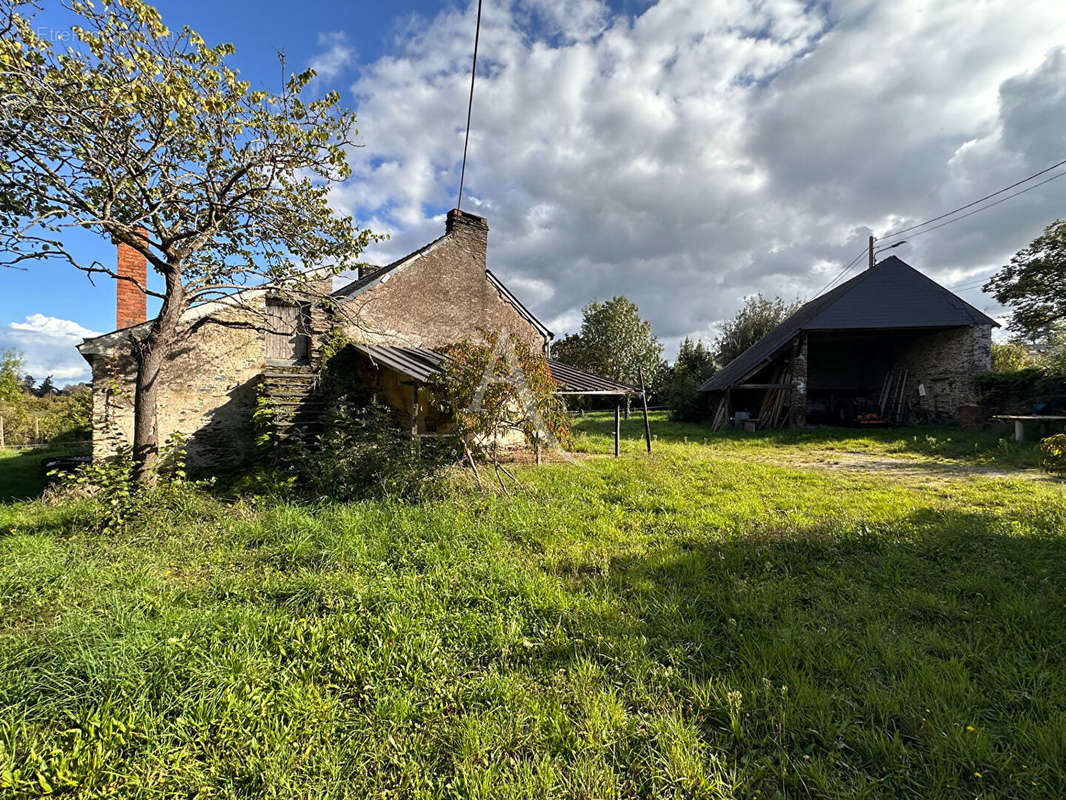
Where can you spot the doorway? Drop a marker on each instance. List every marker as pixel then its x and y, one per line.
pixel 287 337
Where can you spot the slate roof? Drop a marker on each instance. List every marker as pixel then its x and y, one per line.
pixel 892 295
pixel 422 364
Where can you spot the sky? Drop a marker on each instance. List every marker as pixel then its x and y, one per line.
pixel 685 154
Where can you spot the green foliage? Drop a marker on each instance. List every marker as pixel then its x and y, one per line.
pixel 498 384
pixel 756 318
pixel 1033 284
pixel 11 389
pixel 37 417
pixel 721 619
pixel 218 185
pixel 614 342
pixel 1053 453
pixel 362 454
pixel 681 383
pixel 1012 356
pixel 119 502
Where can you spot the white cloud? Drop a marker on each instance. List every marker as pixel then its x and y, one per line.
pixel 337 56
pixel 703 152
pixel 48 343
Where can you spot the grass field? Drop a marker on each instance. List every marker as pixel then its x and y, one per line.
pixel 732 616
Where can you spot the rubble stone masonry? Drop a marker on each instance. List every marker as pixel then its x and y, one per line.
pixel 209 385
pixel 945 363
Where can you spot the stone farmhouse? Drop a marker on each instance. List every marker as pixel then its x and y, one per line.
pixel 393 316
pixel 888 346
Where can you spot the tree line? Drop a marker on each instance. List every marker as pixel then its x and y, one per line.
pixel 38 413
pixel 614 341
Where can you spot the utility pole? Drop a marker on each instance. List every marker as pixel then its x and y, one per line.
pixel 871 252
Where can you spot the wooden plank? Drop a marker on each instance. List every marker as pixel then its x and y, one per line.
pixel 763 386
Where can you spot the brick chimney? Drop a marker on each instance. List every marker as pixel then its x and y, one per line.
pixel 472 231
pixel 130 302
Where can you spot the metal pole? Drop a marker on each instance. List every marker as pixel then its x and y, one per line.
pixel 617 425
pixel 644 400
pixel 870 247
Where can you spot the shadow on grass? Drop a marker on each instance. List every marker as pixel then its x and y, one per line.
pixel 926 657
pixel 21 477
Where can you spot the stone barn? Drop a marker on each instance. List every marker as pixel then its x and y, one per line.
pixel 229 358
pixel 889 346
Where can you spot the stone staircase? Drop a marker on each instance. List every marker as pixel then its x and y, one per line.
pixel 292 395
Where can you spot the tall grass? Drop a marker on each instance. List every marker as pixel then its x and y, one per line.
pixel 690 624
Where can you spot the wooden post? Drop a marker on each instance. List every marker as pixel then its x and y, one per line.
pixel 414 416
pixel 36 431
pixel 617 425
pixel 2 445
pixel 644 400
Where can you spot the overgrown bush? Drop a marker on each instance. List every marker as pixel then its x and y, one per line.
pixel 119 501
pixel 362 454
pixel 1053 453
pixel 496 385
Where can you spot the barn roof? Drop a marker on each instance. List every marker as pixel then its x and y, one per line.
pixel 892 295
pixel 422 365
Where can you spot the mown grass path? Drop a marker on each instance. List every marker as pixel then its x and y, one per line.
pixel 710 621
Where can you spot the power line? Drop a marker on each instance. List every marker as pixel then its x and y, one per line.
pixel 990 205
pixel 469 107
pixel 842 272
pixel 975 202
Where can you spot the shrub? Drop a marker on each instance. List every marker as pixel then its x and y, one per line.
pixel 361 454
pixel 1053 453
pixel 121 501
pixel 499 385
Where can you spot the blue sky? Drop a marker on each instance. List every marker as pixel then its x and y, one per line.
pixel 684 153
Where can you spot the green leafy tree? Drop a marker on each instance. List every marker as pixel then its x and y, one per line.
pixel 11 388
pixel 497 384
pixel 613 342
pixel 46 388
pixel 682 381
pixel 148 138
pixel 1033 284
pixel 1012 356
pixel 756 318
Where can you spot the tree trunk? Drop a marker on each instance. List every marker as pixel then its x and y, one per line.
pixel 150 354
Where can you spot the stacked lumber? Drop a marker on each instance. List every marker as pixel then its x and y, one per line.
pixel 775 403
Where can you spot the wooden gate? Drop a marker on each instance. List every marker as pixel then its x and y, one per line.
pixel 287 339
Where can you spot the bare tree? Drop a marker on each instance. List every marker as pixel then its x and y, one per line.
pixel 147 137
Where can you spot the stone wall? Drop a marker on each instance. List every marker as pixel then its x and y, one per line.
pixel 208 391
pixel 209 387
pixel 945 363
pixel 441 297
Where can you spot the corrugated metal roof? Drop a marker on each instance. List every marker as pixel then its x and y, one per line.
pixel 422 364
pixel 891 296
pixel 572 379
pixel 417 363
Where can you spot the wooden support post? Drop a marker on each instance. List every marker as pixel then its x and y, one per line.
pixel 36 431
pixel 644 401
pixel 414 416
pixel 617 426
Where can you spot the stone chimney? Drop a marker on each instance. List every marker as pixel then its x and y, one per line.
pixel 131 306
pixel 471 230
